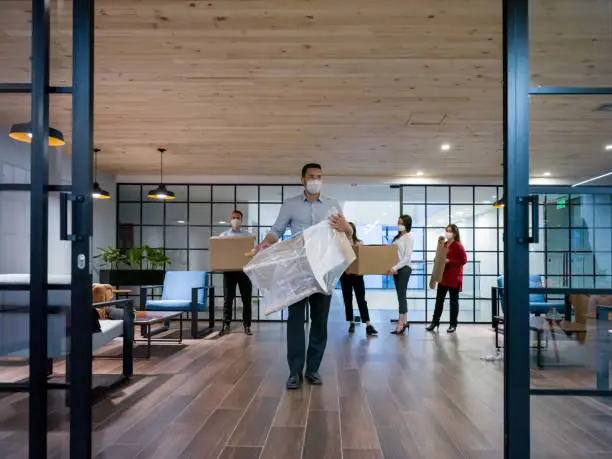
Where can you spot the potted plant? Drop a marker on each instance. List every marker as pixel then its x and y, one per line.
pixel 117 259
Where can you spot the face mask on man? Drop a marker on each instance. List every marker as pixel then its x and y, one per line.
pixel 235 223
pixel 314 186
pixel 401 228
pixel 449 236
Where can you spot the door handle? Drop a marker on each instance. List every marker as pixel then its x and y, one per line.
pixel 64 198
pixel 530 204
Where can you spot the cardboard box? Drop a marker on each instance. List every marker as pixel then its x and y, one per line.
pixel 228 253
pixel 373 259
pixel 439 263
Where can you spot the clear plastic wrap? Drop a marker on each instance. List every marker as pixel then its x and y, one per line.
pixel 307 263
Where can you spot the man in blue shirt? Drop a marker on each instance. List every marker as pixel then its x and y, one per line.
pixel 299 213
pixel 236 278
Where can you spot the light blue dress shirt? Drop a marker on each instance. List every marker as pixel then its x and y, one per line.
pixel 298 213
pixel 230 232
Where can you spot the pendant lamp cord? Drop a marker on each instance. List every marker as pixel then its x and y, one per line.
pixel 161 165
pixel 96 150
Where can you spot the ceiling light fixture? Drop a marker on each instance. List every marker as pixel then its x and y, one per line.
pixel 445 147
pixel 547 174
pixel 419 173
pixel 22 132
pixel 161 192
pixel 98 192
pixel 499 204
pixel 592 179
pixel 609 147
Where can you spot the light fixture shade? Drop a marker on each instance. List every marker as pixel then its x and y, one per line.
pixel 499 204
pixel 99 193
pixel 161 192
pixel 22 132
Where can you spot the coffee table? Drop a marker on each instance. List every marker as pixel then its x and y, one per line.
pixel 154 318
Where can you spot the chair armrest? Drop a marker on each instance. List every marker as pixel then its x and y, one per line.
pixel 143 294
pixel 117 303
pixel 149 287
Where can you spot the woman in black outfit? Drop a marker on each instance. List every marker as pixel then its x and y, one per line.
pixel 355 282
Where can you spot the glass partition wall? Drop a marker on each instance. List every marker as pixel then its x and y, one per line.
pixel 183 226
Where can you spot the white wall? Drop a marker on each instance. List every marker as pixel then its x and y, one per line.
pixel 15 211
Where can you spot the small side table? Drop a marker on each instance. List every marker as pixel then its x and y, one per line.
pixel 153 318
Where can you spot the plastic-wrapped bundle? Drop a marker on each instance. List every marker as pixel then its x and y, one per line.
pixel 308 263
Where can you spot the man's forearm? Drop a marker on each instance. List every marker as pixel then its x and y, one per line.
pixel 270 239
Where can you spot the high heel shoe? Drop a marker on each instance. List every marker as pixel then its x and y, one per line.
pixel 400 331
pixel 433 326
pixel 451 329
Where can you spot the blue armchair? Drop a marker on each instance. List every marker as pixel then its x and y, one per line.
pixel 184 291
pixel 537 301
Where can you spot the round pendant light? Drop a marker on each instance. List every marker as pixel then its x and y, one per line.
pixel 22 132
pixel 161 192
pixel 499 204
pixel 98 192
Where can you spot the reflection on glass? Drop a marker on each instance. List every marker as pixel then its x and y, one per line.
pixel 200 193
pixel 129 192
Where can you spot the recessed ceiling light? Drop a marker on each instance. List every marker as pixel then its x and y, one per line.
pixel 419 173
pixel 445 146
pixel 180 222
pixel 486 202
pixel 609 147
pixel 546 174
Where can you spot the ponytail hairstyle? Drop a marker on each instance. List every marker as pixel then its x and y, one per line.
pixel 455 230
pixel 354 236
pixel 407 222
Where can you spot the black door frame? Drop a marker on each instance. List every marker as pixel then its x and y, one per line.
pixel 79 193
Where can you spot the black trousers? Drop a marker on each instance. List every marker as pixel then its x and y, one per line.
pixel 230 281
pixel 454 304
pixel 401 286
pixel 350 282
pixel 296 340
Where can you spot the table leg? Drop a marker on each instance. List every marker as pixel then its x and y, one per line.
pixel 149 342
pixel 181 328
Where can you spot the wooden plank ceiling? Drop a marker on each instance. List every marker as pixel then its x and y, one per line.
pixel 367 87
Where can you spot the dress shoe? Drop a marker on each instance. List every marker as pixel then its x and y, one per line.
pixel 314 378
pixel 247 331
pixel 433 326
pixel 294 382
pixel 451 329
pixel 352 327
pixel 371 331
pixel 225 329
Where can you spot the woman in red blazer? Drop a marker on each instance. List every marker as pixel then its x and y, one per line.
pixel 452 280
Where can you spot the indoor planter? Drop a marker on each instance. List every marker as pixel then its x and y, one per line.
pixel 132 273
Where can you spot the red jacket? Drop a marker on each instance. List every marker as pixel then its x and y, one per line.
pixel 453 271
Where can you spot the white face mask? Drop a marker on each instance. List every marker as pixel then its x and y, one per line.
pixel 401 228
pixel 449 236
pixel 235 223
pixel 314 186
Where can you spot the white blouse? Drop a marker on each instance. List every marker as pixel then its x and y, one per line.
pixel 404 246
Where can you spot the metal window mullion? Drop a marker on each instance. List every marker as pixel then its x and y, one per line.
pixel 39 210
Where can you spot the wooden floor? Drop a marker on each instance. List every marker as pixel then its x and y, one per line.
pixel 418 396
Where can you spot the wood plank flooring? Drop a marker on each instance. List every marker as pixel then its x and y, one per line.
pixel 417 396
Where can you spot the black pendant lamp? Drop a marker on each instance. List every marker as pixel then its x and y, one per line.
pixel 22 132
pixel 98 192
pixel 161 192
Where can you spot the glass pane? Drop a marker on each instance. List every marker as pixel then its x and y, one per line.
pixel 486 263
pixel 198 260
pixel 569 43
pixel 437 215
pixel 437 194
pixel 153 213
pixel 129 192
pixel 250 214
pixel 486 239
pixel 199 193
pixel 246 193
pixel 180 192
pixel 292 190
pixel 467 238
pixel 432 238
pixel 268 213
pixel 129 213
pixel 222 213
pixel 485 195
pixel 414 194
pixel 198 237
pixel 199 214
pixel 462 215
pixel 486 217
pixel 176 214
pixel 271 194
pixel 223 193
pixel 462 195
pixel 153 236
pixel 178 260
pixel 176 237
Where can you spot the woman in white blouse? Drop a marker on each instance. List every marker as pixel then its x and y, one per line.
pixel 402 270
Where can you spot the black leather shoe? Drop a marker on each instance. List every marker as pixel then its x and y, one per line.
pixel 225 329
pixel 294 382
pixel 371 331
pixel 352 327
pixel 314 378
pixel 451 329
pixel 247 331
